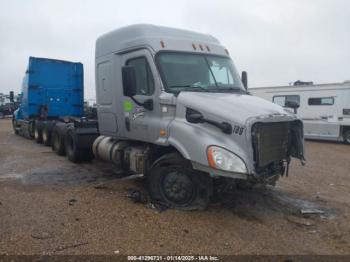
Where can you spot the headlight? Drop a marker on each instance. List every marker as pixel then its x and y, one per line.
pixel 223 159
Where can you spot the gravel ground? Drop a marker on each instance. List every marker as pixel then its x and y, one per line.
pixel 49 205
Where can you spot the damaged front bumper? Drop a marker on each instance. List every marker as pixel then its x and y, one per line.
pixel 273 141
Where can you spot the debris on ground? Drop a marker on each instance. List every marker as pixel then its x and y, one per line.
pixel 136 196
pixel 158 206
pixel 72 201
pixel 71 246
pixel 41 235
pixel 311 211
pixel 300 221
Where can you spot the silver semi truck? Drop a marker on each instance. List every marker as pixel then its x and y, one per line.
pixel 171 106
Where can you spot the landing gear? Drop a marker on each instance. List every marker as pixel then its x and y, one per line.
pixel 174 182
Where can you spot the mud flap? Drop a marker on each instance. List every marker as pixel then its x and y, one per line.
pixel 297 141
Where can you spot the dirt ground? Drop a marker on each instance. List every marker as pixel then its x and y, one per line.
pixel 49 205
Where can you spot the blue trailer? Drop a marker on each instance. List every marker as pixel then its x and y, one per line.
pixel 52 99
pixel 51 88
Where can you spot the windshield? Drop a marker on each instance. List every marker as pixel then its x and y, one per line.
pixel 198 72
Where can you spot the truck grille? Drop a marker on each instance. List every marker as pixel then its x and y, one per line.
pixel 270 142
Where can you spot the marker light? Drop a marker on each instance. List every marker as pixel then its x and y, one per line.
pixel 222 159
pixel 162 132
pixel 162 44
pixel 194 46
pixel 201 47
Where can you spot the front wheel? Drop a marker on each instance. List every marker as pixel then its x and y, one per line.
pixel 174 182
pixel 346 137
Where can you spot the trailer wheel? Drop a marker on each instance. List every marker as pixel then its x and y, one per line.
pixel 38 135
pixel 346 137
pixel 58 142
pixel 73 153
pixel 46 135
pixel 173 182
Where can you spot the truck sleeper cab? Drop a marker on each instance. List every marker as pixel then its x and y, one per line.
pixel 171 106
pixel 51 108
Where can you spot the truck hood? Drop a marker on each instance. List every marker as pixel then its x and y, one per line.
pixel 230 107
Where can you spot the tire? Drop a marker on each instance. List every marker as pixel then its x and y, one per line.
pixel 173 181
pixel 46 135
pixel 73 153
pixel 58 141
pixel 31 129
pixel 38 135
pixel 346 137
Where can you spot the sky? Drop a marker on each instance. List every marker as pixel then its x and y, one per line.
pixel 276 42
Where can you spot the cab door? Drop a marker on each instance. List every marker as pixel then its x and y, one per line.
pixel 140 123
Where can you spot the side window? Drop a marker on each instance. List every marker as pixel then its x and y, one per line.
pixel 321 101
pixel 144 77
pixel 281 100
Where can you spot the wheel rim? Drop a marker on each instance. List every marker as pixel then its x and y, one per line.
pixel 177 187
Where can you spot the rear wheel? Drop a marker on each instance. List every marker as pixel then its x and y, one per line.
pixel 173 181
pixel 346 137
pixel 58 142
pixel 38 136
pixel 31 129
pixel 46 134
pixel 73 153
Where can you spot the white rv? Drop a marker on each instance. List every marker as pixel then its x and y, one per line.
pixel 324 108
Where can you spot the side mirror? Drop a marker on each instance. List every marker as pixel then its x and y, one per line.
pixel 292 104
pixel 194 117
pixel 129 81
pixel 244 79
